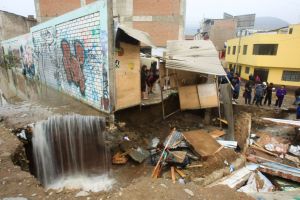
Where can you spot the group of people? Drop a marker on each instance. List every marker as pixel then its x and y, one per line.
pixel 256 92
pixel 148 78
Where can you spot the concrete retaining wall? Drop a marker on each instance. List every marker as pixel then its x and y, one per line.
pixel 70 54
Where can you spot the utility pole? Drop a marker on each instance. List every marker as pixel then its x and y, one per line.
pixel 238 51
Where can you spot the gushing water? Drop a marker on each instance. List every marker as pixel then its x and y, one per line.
pixel 70 151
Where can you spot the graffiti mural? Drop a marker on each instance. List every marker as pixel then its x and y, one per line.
pixel 73 64
pixel 70 53
pixel 19 50
pixel 27 61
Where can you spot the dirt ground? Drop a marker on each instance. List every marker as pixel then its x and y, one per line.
pixel 141 125
pixel 147 188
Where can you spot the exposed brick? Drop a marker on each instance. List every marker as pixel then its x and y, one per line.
pixel 159 31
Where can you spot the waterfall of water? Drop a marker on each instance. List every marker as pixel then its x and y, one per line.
pixel 3 101
pixel 70 151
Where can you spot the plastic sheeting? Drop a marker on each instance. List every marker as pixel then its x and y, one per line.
pixel 195 56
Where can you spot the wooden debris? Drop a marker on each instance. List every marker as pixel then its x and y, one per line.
pixel 194 166
pixel 259 148
pixel 217 133
pixel 222 120
pixel 119 158
pixel 292 158
pixel 202 142
pixel 157 168
pixel 173 174
pixel 176 156
pixel 180 173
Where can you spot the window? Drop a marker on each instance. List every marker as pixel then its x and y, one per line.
pixel 265 49
pixel 228 50
pixel 230 66
pixel 245 49
pixel 290 30
pixel 233 50
pixel 291 76
pixel 247 70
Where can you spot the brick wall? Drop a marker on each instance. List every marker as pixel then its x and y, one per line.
pixel 160 32
pixel 156 7
pixel 70 54
pixel 54 8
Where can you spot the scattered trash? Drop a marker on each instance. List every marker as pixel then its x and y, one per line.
pixel 181 181
pixel 295 150
pixel 231 168
pixel 126 138
pixel 228 144
pixel 190 192
pixel 22 135
pixel 154 142
pixel 175 141
pixel 257 182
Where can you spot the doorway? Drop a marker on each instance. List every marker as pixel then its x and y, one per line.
pixel 262 73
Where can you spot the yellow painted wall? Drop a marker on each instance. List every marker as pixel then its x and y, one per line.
pixel 275 75
pixel 287 57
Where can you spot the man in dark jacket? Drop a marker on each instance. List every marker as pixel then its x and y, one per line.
pixel 268 97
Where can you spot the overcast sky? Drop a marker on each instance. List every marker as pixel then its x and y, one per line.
pixel 288 10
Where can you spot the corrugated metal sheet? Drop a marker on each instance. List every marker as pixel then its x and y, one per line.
pixel 137 34
pixel 195 56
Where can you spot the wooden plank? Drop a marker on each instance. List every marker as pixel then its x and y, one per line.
pixel 223 120
pixel 203 143
pixel 173 174
pixel 217 133
pixel 208 96
pixel 194 166
pixel 226 96
pixel 188 97
pixel 180 172
pixel 128 83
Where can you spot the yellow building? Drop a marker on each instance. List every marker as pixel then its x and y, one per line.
pixel 274 56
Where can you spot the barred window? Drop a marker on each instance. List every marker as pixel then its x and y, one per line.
pixel 247 70
pixel 291 76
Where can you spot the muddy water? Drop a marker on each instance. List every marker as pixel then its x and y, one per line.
pixel 18 89
pixel 72 146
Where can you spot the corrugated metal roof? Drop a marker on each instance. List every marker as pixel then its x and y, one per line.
pixel 137 34
pixel 195 56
